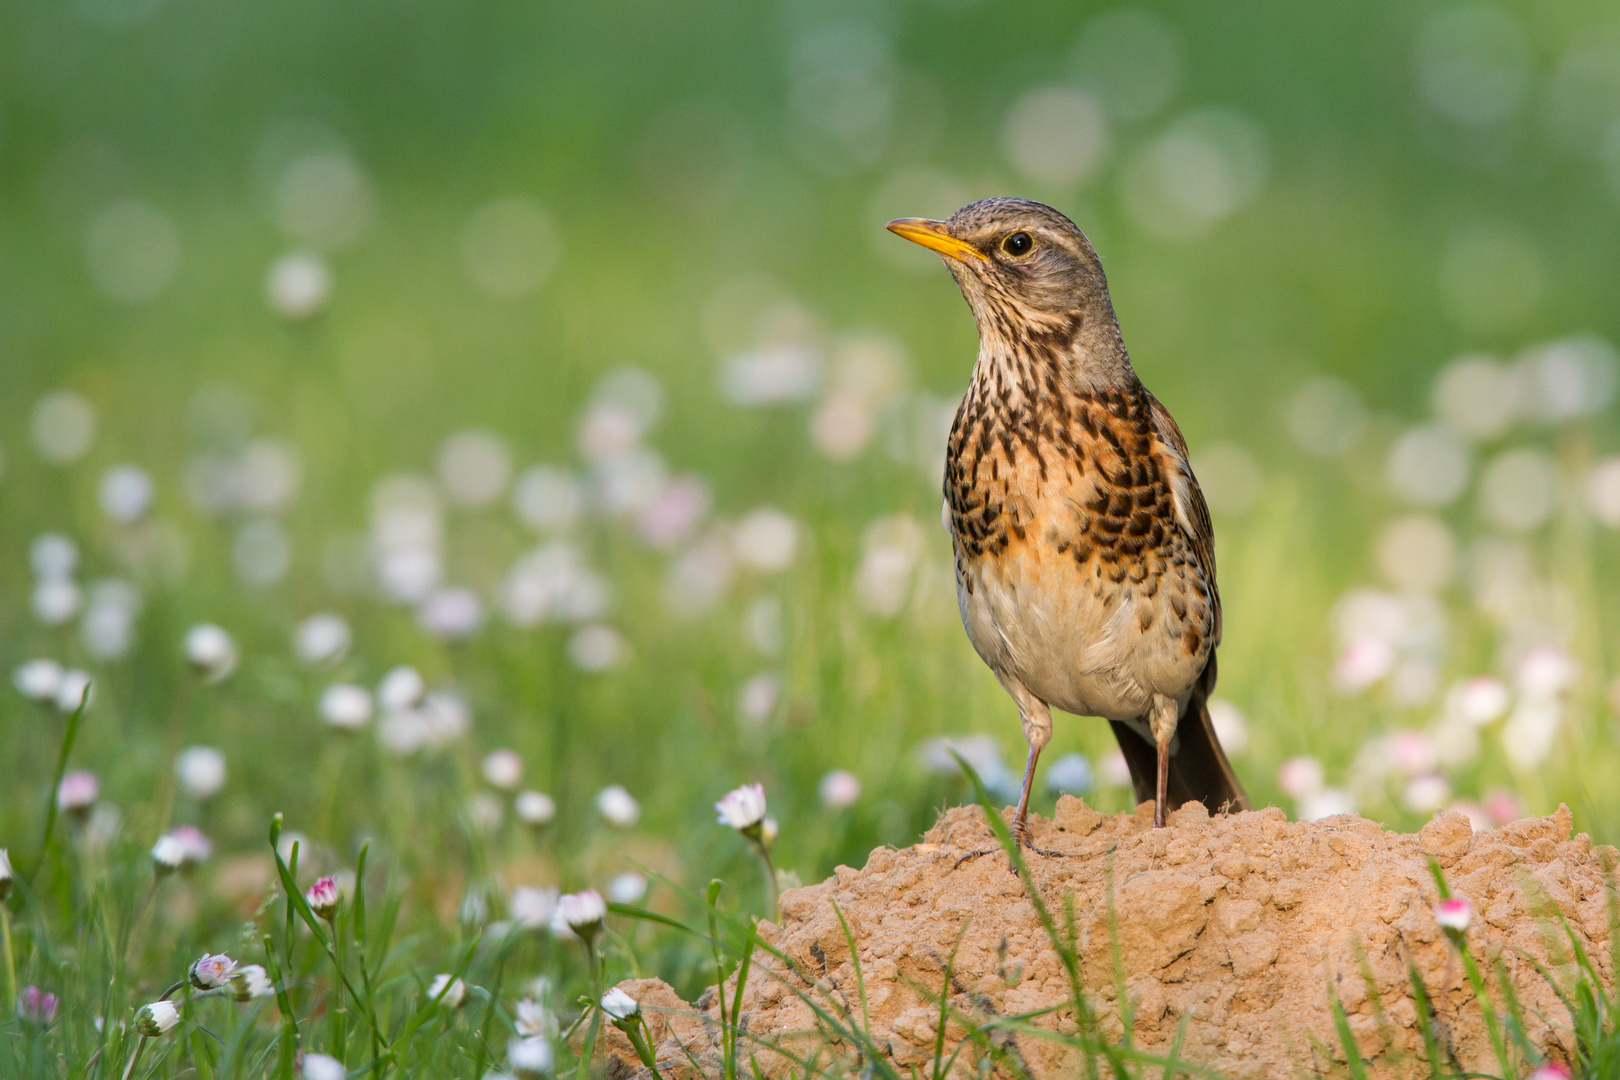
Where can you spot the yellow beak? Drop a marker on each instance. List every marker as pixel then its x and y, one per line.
pixel 932 234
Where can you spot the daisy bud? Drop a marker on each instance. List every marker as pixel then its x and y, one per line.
pixel 839 789
pixel 529 1057
pixel 56 600
pixel 532 908
pixel 503 769
pixel 447 991
pixel 1454 915
pixel 157 1019
pixel 767 832
pixel 628 887
pixel 743 809
pixel 582 912
pixel 323 1067
pixel 1551 1070
pixel 126 493
pixel 620 1006
pixel 78 792
pixel 533 1019
pixel 618 806
pixel 400 689
pixel 536 810
pixel 323 898
pixel 167 854
pixel 210 651
pixel 250 981
pixel 53 555
pixel 37 1005
pixel 5 875
pixel 322 640
pixel 38 680
pixel 297 286
pixel 346 706
pixel 201 771
pixel 211 972
pixel 197 845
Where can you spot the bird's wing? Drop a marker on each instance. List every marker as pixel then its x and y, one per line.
pixel 1192 513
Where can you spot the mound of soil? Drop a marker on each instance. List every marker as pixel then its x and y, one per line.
pixel 1242 927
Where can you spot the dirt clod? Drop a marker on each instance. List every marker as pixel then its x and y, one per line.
pixel 1235 931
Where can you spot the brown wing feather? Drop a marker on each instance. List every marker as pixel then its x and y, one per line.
pixel 1202 533
pixel 1199 770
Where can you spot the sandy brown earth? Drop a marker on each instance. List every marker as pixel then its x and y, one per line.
pixel 1240 926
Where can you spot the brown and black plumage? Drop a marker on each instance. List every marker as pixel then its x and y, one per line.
pixel 1085 561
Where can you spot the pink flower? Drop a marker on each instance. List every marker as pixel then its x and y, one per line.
pixel 1300 776
pixel 1502 807
pixel 1551 1070
pixel 1410 752
pixel 195 846
pixel 1362 663
pixel 212 971
pixel 323 897
pixel 744 808
pixel 672 515
pixel 1454 915
pixel 78 792
pixel 37 1005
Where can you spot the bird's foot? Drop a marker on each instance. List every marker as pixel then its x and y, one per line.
pixel 1045 852
pixel 1026 842
pixel 1159 815
pixel 975 855
pixel 1022 832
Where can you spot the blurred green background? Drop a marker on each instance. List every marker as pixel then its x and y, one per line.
pixel 275 255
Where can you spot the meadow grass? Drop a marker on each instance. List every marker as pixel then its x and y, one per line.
pixel 512 208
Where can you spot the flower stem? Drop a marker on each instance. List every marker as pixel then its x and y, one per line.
pixel 11 960
pixel 636 1031
pixel 338 1014
pixel 134 1059
pixel 588 1050
pixel 771 896
pixel 68 736
pixel 135 920
pixel 1486 1008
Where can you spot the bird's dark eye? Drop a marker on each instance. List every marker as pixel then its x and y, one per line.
pixel 1018 243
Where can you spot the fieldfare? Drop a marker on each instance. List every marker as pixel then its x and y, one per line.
pixel 1085 562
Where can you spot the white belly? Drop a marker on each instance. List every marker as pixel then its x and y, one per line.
pixel 1075 640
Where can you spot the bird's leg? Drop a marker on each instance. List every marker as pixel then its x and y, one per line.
pixel 1037 719
pixel 1161 797
pixel 1166 713
pixel 1020 827
pixel 1037 732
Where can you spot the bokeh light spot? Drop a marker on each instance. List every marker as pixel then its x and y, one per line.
pixel 509 247
pixel 133 251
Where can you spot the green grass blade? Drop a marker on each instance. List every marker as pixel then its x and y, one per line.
pixel 47 838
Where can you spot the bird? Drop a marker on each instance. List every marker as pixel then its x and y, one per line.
pixel 1085 558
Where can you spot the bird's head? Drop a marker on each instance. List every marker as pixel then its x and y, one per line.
pixel 1027 271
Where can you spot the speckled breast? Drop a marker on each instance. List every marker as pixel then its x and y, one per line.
pixel 1073 573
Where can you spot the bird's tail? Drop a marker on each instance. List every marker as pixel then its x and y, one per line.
pixel 1199 771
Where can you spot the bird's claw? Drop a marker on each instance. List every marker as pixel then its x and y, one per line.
pixel 974 855
pixel 1021 833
